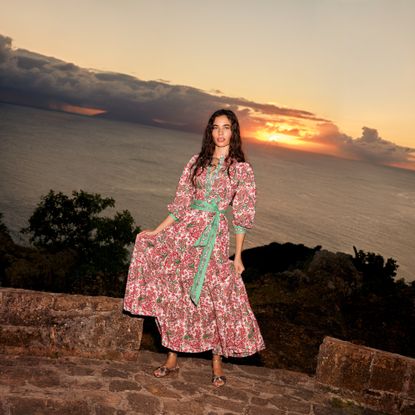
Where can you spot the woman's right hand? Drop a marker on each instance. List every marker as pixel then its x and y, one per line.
pixel 163 225
pixel 149 232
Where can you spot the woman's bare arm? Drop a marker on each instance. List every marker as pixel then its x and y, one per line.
pixel 163 225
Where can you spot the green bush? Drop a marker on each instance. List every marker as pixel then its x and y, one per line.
pixel 73 224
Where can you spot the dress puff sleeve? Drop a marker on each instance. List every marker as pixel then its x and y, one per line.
pixel 243 204
pixel 184 192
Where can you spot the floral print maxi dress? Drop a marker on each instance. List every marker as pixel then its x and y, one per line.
pixel 163 267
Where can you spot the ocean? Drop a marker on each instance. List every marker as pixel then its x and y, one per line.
pixel 302 197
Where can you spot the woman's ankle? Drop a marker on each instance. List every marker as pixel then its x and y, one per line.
pixel 171 359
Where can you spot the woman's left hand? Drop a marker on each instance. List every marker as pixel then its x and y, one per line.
pixel 239 266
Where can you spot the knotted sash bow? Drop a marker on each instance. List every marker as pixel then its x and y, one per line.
pixel 207 240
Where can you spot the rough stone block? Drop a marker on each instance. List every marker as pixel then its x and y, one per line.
pixel 372 377
pixel 50 324
pixel 409 385
pixel 387 372
pixel 344 364
pixel 182 408
pixel 256 410
pixel 147 404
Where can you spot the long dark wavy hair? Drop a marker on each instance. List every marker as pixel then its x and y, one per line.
pixel 208 146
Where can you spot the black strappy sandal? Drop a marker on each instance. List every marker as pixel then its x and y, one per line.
pixel 163 371
pixel 220 379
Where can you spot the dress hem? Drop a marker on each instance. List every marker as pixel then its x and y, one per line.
pixel 204 349
pixel 241 354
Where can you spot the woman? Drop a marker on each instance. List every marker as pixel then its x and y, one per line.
pixel 181 273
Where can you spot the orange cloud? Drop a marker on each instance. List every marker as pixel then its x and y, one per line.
pixel 75 109
pixel 326 138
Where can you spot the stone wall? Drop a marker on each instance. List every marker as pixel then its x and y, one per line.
pixel 47 324
pixel 370 376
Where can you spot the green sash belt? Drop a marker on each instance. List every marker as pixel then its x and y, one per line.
pixel 207 240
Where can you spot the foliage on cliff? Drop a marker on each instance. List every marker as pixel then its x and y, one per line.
pixel 78 249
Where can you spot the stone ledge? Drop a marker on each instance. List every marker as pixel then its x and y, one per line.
pixel 373 377
pixel 50 324
pixel 80 386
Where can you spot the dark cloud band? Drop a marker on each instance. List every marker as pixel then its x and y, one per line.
pixel 33 79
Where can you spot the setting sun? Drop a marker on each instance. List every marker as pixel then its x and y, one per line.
pixel 295 138
pixel 280 138
pixel 288 133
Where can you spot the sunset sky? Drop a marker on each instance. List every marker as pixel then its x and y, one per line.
pixel 331 76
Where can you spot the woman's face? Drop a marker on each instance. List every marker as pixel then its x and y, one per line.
pixel 222 131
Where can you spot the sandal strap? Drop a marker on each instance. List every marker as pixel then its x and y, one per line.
pixel 169 369
pixel 216 379
pixel 164 370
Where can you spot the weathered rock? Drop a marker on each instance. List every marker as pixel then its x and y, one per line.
pixel 260 410
pixel 259 401
pixel 47 324
pixel 123 385
pixel 114 373
pixel 144 404
pixel 287 403
pixel 223 403
pixel 33 406
pixel 183 408
pixel 373 377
